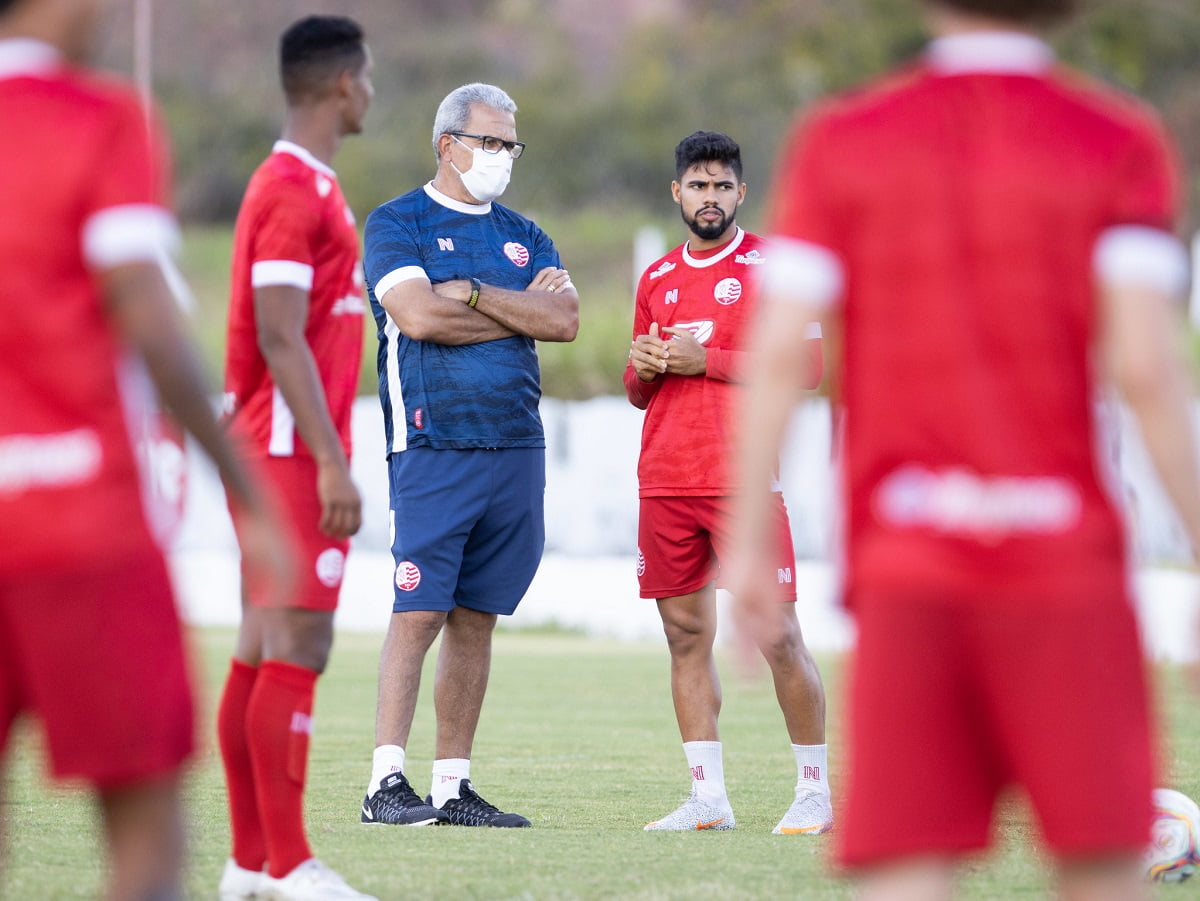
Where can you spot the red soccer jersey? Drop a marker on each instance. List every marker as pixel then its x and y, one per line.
pixel 82 178
pixel 294 228
pixel 957 208
pixel 684 442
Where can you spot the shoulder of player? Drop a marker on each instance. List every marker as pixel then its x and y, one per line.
pixel 664 264
pixel 87 92
pixel 1121 108
pixel 508 214
pixel 849 105
pixel 407 211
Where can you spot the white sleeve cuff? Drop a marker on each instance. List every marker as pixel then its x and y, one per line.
pixel 132 233
pixel 395 277
pixel 1144 257
pixel 803 271
pixel 267 273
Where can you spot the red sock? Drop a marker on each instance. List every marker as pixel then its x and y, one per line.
pixel 249 847
pixel 278 724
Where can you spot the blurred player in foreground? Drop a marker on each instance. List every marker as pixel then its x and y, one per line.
pixel 90 641
pixel 992 238
pixel 293 354
pixel 685 361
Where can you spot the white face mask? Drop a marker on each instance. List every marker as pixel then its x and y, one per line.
pixel 489 173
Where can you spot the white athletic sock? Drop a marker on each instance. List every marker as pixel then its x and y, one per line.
pixel 811 765
pixel 447 774
pixel 708 772
pixel 386 760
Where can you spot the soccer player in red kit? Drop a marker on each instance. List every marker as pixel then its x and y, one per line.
pixel 293 354
pixel 90 640
pixel 686 358
pixel 993 235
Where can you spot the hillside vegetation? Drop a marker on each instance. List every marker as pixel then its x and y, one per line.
pixel 605 91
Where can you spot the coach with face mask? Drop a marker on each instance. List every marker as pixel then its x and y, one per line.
pixel 461 288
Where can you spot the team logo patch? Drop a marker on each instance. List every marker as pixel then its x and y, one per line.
pixel 641 564
pixel 517 253
pixel 702 329
pixel 727 291
pixel 408 577
pixel 331 564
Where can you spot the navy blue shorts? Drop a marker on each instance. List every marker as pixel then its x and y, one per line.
pixel 468 526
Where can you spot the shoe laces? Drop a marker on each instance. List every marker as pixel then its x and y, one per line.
pixel 469 802
pixel 399 795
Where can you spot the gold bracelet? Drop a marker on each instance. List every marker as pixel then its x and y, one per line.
pixel 475 286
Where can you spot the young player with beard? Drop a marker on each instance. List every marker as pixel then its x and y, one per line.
pixel 90 641
pixel 687 355
pixel 993 234
pixel 293 355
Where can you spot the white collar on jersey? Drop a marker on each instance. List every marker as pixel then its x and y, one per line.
pixel 734 243
pixel 300 153
pixel 990 53
pixel 26 56
pixel 471 209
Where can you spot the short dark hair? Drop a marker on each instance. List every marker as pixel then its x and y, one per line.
pixel 315 50
pixel 708 147
pixel 1014 10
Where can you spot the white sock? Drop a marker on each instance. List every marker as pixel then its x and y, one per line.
pixel 386 760
pixel 447 774
pixel 708 772
pixel 811 765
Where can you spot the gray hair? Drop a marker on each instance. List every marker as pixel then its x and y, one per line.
pixel 455 110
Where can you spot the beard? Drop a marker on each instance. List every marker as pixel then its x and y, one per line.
pixel 706 231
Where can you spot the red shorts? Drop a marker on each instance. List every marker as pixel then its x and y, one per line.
pixel 950 703
pixel 292 483
pixel 681 539
pixel 96 654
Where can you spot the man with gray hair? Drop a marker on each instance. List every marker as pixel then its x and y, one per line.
pixel 461 288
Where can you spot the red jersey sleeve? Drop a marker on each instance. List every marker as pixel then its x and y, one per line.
pixel 287 224
pixel 1147 184
pixel 640 392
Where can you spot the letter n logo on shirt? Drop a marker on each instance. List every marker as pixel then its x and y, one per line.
pixel 445 244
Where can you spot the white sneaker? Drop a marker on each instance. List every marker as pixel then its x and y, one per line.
pixel 239 884
pixel 694 815
pixel 810 814
pixel 311 881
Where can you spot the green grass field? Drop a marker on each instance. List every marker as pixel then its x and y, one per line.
pixel 579 735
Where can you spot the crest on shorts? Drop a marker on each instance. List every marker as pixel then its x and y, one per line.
pixel 408 576
pixel 331 565
pixel 517 253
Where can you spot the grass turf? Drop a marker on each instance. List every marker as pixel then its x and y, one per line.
pixel 577 734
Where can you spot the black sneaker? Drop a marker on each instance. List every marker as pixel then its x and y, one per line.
pixel 396 804
pixel 468 809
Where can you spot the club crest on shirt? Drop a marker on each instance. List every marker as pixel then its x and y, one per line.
pixel 408 576
pixel 518 253
pixel 727 291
